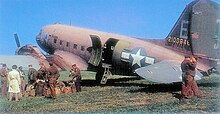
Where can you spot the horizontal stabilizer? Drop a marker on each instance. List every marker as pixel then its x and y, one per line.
pixel 163 72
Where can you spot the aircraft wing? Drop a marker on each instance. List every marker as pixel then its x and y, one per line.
pixel 19 60
pixel 163 72
pixel 64 60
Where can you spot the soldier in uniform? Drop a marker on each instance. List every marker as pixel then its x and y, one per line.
pixel 41 78
pixel 4 74
pixel 42 73
pixel 191 83
pixel 31 75
pixel 23 83
pixel 184 68
pixel 190 86
pixel 75 73
pixel 53 75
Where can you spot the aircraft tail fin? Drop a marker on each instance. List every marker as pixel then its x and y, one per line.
pixel 198 29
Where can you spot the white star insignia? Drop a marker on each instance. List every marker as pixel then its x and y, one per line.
pixel 137 58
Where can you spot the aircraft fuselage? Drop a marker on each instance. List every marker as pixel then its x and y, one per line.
pixel 124 51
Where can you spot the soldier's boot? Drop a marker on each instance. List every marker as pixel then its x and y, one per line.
pixel 10 96
pixel 16 96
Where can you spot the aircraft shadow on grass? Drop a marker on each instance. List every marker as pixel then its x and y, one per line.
pixel 147 88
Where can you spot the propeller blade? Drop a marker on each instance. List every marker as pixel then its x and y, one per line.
pixel 17 39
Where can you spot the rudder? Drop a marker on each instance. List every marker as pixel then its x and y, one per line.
pixel 197 30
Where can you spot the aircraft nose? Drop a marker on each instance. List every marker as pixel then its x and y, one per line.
pixel 41 40
pixel 41 37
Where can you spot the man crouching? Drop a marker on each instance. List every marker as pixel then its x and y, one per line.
pixel 53 75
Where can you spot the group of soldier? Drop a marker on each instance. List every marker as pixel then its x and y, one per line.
pixel 13 81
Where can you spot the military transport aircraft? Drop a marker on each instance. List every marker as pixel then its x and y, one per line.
pixel 196 32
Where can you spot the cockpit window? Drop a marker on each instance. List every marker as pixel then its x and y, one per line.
pixel 67 44
pixel 82 48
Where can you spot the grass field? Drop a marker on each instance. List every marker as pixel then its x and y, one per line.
pixel 121 94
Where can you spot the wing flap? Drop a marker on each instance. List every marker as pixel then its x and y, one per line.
pixel 163 72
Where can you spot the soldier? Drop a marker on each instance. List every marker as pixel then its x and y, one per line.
pixel 184 68
pixel 4 74
pixel 42 73
pixel 31 75
pixel 53 75
pixel 14 82
pixel 41 78
pixel 190 83
pixel 23 83
pixel 75 72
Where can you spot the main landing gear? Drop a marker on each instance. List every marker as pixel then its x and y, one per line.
pixel 103 73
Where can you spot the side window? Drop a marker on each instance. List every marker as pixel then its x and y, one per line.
pixel 82 48
pixel 55 41
pixel 61 42
pixel 67 44
pixel 75 46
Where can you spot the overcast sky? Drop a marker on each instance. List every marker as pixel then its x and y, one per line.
pixel 136 18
